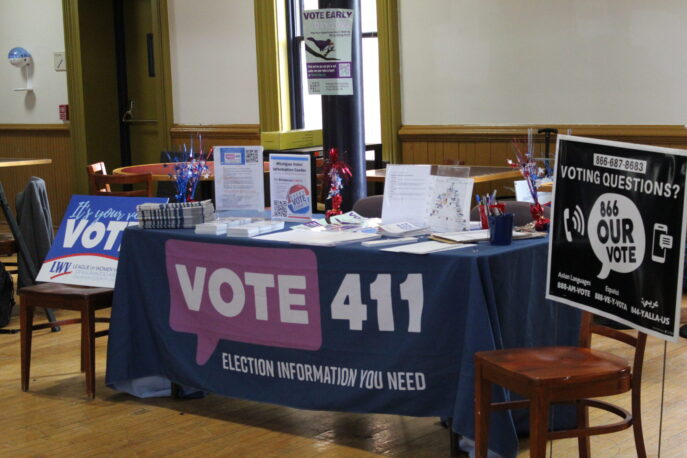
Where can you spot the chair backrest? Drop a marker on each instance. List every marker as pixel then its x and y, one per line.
pixel 369 207
pixel 98 182
pixel 97 168
pixel 589 327
pixel 520 210
pixel 453 162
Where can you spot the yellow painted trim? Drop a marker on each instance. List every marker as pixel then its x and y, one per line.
pixel 268 60
pixel 164 72
pixel 389 78
pixel 77 122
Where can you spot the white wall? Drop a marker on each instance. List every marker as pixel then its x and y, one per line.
pixel 35 25
pixel 214 66
pixel 544 62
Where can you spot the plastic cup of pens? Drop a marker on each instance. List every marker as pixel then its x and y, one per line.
pixel 501 229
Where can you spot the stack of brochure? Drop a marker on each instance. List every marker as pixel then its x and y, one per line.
pixel 255 228
pixel 479 236
pixel 220 225
pixel 402 229
pixel 326 238
pixel 180 215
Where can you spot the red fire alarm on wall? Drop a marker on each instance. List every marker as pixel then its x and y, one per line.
pixel 64 112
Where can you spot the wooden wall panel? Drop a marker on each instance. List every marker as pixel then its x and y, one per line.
pixel 492 145
pixel 50 141
pixel 215 135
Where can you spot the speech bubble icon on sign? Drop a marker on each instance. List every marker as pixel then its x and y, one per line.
pixel 616 233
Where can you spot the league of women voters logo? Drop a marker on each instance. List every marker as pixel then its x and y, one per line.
pixel 267 296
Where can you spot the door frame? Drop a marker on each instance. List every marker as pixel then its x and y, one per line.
pixel 75 84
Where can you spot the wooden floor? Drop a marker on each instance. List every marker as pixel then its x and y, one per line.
pixel 55 418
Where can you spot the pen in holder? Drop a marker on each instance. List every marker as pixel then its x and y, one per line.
pixel 483 216
pixel 501 229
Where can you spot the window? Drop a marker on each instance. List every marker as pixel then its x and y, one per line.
pixel 306 109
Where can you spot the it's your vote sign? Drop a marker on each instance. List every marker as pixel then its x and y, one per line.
pixel 86 247
pixel 618 232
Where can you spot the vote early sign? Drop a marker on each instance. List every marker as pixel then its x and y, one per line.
pixel 618 232
pixel 86 248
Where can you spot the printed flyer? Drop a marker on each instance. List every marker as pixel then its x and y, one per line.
pixel 86 249
pixel 239 178
pixel 290 189
pixel 618 232
pixel 328 35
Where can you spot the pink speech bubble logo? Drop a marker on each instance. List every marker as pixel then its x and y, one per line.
pixel 266 296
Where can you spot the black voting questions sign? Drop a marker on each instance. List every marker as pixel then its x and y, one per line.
pixel 617 235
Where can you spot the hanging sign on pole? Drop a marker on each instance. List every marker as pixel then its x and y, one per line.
pixel 327 37
pixel 618 232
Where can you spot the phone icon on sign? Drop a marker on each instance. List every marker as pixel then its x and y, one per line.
pixel 660 242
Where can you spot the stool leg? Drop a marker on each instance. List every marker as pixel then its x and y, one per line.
pixel 26 327
pixel 88 348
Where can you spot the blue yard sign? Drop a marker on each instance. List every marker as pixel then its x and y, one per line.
pixel 86 249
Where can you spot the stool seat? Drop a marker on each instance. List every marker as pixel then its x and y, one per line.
pixel 84 299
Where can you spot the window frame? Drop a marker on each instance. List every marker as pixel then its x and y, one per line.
pixel 273 76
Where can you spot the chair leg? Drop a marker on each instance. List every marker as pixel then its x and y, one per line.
pixel 84 342
pixel 26 326
pixel 583 422
pixel 539 425
pixel 482 411
pixel 88 349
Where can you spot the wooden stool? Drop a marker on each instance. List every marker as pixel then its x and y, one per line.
pixel 83 299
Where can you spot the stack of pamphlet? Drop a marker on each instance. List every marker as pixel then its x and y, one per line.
pixel 403 229
pixel 220 225
pixel 179 215
pixel 255 228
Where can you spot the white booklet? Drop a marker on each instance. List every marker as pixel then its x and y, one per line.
pixel 428 195
pixel 314 238
pixel 479 236
pixel 426 247
pixel 239 178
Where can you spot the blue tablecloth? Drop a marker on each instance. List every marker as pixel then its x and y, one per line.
pixel 347 328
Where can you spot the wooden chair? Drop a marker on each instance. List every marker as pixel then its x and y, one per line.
pixel 98 168
pixel 549 375
pixel 83 299
pixel 99 182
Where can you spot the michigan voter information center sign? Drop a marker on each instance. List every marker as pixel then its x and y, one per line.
pixel 617 234
pixel 86 249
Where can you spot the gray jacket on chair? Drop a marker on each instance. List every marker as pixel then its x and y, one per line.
pixel 35 224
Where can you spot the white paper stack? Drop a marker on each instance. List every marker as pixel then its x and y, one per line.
pixel 212 228
pixel 426 247
pixel 255 228
pixel 180 215
pixel 319 238
pixel 402 229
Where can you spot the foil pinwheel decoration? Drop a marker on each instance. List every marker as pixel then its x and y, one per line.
pixel 531 172
pixel 335 173
pixel 189 168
